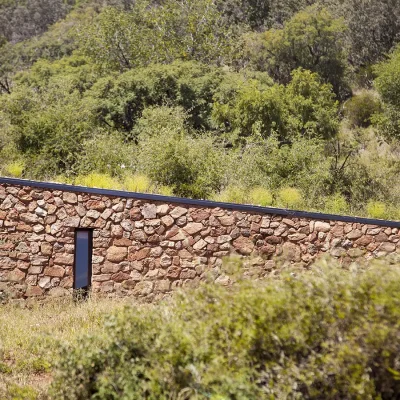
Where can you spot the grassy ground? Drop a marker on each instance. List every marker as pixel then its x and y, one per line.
pixel 30 339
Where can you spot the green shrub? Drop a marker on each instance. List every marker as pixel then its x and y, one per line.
pixel 97 180
pixel 290 197
pixel 376 209
pixel 330 334
pixel 336 204
pixel 360 108
pixel 260 196
pixel 15 169
pixel 137 183
pixel 232 194
pixel 16 392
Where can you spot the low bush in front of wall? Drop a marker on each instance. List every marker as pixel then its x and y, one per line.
pixel 327 334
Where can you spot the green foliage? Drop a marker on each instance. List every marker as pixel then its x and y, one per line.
pixel 336 204
pixel 330 334
pixel 106 153
pixel 193 167
pixel 290 197
pixel 120 101
pixel 17 392
pixel 232 194
pixel 185 30
pixel 94 179
pixel 387 81
pixel 305 106
pixel 312 39
pixel 15 169
pixel 376 209
pixel 360 109
pixel 137 183
pixel 260 196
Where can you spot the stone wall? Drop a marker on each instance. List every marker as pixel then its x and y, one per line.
pixel 147 248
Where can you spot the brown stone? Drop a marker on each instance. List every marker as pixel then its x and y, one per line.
pixel 72 222
pixel 178 212
pixel 24 228
pixel 243 245
pixel 46 249
pixel 364 240
pixel 273 239
pixel 381 237
pixel 29 218
pixel 16 276
pixel 149 211
pixel 54 271
pixel 135 214
pixel 173 272
pixel 120 277
pixel 143 288
pixel 117 254
pixel 193 228
pixel 320 226
pixel 162 286
pixel 97 205
pixel 268 249
pixel 58 292
pixel 140 255
pixel 33 291
pixel 387 247
pixel 179 236
pixel 199 215
pixel 200 245
pixel 296 237
pixel 64 259
pixel 227 220
pixel 70 198
pixel 122 242
pixel 288 222
pixel 354 234
pixel 291 251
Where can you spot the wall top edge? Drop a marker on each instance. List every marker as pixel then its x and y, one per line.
pixel 199 203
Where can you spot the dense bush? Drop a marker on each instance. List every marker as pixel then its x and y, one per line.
pixel 360 108
pixel 328 334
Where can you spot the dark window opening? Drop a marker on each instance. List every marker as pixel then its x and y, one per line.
pixel 83 261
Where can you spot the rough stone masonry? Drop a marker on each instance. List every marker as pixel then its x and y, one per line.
pixel 147 248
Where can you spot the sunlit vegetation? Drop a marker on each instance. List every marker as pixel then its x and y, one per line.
pixel 288 104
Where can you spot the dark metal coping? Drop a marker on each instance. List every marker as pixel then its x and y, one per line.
pixel 199 203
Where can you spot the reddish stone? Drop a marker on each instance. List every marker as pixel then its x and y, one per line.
pixel 173 272
pixel 24 228
pixel 139 255
pixel 243 245
pixel 117 254
pixel 54 271
pixel 268 249
pixel 122 242
pixel 120 277
pixel 97 205
pixel 273 239
pixel 364 240
pixel 64 259
pixel 33 291
pixel 199 215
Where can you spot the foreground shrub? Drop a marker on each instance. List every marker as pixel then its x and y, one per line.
pixel 329 334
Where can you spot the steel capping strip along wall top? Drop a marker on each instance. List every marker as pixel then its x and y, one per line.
pixel 200 203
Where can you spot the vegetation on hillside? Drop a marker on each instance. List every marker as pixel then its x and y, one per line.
pixel 206 98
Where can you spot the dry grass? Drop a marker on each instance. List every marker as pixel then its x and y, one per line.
pixel 30 338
